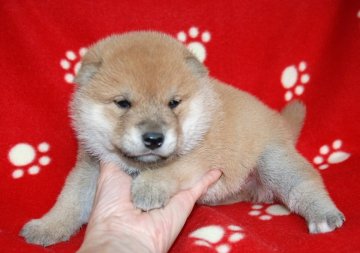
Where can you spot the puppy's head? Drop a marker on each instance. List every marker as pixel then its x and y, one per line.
pixel 142 98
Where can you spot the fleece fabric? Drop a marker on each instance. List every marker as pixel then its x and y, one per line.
pixel 277 50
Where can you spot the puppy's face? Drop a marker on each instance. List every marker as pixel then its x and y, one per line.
pixel 143 97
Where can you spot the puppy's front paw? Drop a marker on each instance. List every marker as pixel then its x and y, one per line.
pixel 148 194
pixel 39 232
pixel 326 223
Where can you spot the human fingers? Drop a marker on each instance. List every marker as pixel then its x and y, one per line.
pixel 180 206
pixel 111 172
pixel 113 181
pixel 185 200
pixel 203 184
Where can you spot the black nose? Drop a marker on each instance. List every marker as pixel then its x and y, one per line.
pixel 153 140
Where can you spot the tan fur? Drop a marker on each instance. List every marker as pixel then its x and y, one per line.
pixel 294 113
pixel 214 126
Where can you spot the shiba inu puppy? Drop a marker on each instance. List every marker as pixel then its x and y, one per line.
pixel 144 102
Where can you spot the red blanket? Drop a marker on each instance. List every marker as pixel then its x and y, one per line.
pixel 277 50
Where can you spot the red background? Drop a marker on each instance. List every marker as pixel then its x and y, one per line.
pixel 252 42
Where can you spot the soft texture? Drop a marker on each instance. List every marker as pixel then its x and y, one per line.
pixel 273 49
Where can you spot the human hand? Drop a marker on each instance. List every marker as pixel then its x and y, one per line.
pixel 115 225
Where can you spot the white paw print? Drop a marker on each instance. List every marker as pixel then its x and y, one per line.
pixel 217 237
pixel 293 79
pixel 269 212
pixel 72 64
pixel 195 41
pixel 28 158
pixel 330 155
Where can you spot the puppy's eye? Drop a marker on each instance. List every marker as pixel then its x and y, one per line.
pixel 174 103
pixel 124 104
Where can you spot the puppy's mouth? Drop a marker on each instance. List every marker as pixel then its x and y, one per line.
pixel 148 157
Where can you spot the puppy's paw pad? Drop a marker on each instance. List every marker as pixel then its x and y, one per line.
pixel 147 196
pixel 41 233
pixel 330 223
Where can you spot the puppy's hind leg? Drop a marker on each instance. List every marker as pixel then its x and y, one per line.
pixel 295 182
pixel 72 208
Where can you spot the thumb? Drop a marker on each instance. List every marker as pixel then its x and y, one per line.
pixel 113 181
pixel 185 200
pixel 202 186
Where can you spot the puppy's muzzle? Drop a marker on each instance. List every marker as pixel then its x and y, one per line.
pixel 153 140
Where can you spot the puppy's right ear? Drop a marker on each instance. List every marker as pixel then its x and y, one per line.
pixel 89 67
pixel 196 67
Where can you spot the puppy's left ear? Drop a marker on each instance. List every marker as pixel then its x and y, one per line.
pixel 196 67
pixel 90 65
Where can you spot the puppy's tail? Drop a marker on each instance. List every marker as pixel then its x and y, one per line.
pixel 294 113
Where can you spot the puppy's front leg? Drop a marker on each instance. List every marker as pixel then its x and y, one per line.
pixel 153 188
pixel 300 187
pixel 72 208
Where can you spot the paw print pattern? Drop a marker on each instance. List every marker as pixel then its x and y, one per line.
pixel 195 41
pixel 293 79
pixel 269 212
pixel 217 237
pixel 72 63
pixel 26 157
pixel 330 155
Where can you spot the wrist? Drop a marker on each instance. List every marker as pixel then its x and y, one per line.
pixel 112 245
pixel 106 241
